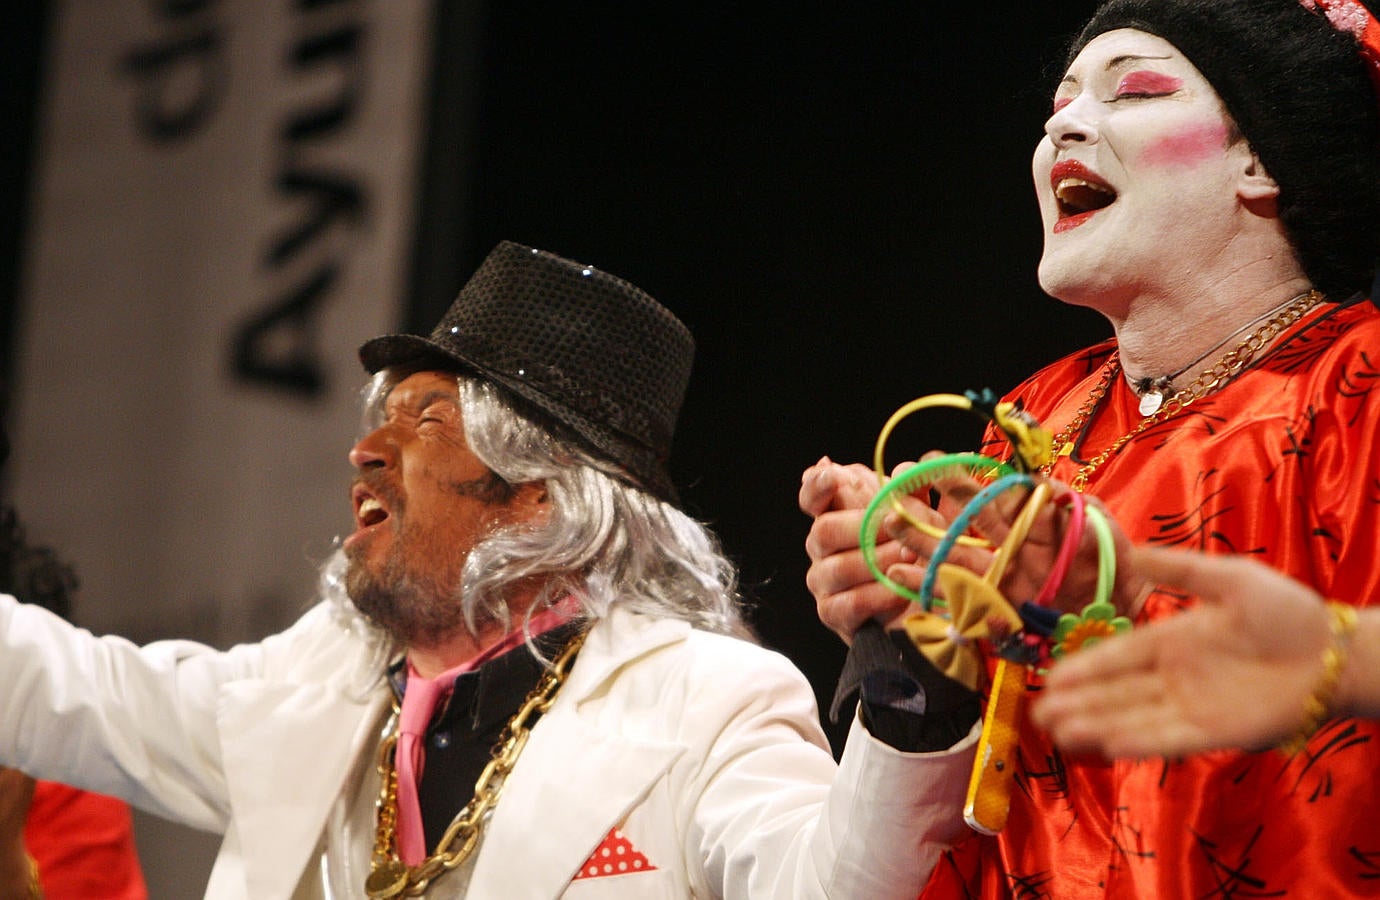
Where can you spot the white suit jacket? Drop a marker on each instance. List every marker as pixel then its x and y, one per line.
pixel 705 751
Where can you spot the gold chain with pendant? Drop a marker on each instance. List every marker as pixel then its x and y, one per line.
pixel 1209 380
pixel 390 876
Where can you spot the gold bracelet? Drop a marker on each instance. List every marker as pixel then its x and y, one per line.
pixel 35 886
pixel 1318 707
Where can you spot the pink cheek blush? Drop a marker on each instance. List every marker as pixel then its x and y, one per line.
pixel 1188 147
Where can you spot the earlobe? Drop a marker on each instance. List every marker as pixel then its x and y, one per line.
pixel 1255 186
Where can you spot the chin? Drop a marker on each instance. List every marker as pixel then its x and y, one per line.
pixel 1059 282
pixel 1075 281
pixel 408 608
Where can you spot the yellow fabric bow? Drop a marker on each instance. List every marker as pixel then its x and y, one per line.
pixel 973 600
pixel 950 641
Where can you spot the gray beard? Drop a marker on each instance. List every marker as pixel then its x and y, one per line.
pixel 411 608
pixel 406 609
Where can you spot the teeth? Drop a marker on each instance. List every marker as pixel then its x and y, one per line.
pixel 371 511
pixel 1067 185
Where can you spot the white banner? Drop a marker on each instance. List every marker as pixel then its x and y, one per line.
pixel 222 214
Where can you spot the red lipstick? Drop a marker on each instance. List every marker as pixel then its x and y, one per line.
pixel 1078 192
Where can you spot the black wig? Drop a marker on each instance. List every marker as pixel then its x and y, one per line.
pixel 1300 94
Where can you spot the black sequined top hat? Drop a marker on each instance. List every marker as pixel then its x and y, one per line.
pixel 590 351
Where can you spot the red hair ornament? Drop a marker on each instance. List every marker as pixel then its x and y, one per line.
pixel 1351 17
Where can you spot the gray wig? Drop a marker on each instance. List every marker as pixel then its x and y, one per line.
pixel 605 543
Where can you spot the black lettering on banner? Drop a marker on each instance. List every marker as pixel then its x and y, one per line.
pixel 181 75
pixel 277 347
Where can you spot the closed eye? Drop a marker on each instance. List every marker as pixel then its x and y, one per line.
pixel 1142 84
pixel 431 415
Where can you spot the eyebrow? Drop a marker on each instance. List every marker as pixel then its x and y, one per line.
pixel 1113 63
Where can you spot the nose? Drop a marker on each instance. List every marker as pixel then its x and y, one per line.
pixel 372 451
pixel 1072 124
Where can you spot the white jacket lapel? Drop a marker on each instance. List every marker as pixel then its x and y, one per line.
pixel 544 827
pixel 573 783
pixel 287 750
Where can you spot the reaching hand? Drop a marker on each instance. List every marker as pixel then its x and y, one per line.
pixel 1233 672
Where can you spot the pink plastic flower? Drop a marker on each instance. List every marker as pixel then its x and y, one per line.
pixel 1344 15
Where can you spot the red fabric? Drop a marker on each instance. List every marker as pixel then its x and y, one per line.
pixel 84 845
pixel 615 856
pixel 1281 464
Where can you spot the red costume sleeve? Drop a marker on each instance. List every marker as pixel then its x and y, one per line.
pixel 84 845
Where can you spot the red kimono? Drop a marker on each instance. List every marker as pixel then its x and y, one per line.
pixel 1279 464
pixel 84 845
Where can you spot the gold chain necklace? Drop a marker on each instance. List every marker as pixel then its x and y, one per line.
pixel 390 876
pixel 1209 380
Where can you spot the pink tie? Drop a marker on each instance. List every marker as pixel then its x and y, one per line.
pixel 419 702
pixel 418 705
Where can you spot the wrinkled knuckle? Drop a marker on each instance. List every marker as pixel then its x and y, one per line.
pixel 832 613
pixel 819 543
pixel 822 579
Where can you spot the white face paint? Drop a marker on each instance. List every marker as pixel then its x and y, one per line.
pixel 1136 175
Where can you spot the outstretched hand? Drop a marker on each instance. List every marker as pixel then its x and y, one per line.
pixel 1235 671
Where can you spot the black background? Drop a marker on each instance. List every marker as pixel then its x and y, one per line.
pixel 836 199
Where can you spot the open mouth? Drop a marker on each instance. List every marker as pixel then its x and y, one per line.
pixel 1077 196
pixel 370 512
pixel 1078 193
pixel 369 509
